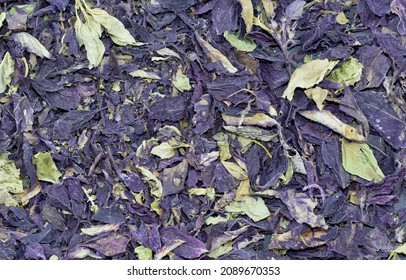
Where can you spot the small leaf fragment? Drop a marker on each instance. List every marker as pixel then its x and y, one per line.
pixel 255 208
pixel 341 18
pixel 99 229
pixel 46 168
pixel 358 159
pixel 163 150
pixel 235 170
pixel 144 253
pixel 181 81
pixel 2 18
pixel 6 71
pixel 32 44
pixel 215 55
pixel 247 14
pixel 244 45
pixel 10 182
pixel 348 73
pixel 318 95
pixel 143 74
pixel 308 75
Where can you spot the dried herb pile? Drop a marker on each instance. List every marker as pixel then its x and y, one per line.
pixel 219 129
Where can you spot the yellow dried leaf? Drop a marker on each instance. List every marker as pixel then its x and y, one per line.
pixel 247 14
pixel 318 95
pixel 215 55
pixel 326 118
pixel 358 159
pixel 308 75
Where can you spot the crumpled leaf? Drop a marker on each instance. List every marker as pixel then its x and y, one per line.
pixel 144 253
pixel 341 18
pixel 309 239
pixel 10 182
pixel 163 150
pixel 247 14
pixel 301 207
pixel 99 229
pixel 348 73
pixel 235 170
pixel 222 143
pixel 401 249
pixel 318 95
pixel 46 168
pixel 327 118
pixel 308 75
pixel 259 119
pixel 208 192
pixel 382 117
pixel 144 74
pixel 253 207
pixel 251 132
pixel 244 45
pixel 153 181
pixel 116 29
pixel 215 55
pixel 111 245
pixel 181 81
pixel 2 18
pixel 88 36
pixel 32 44
pixel 294 10
pixel 399 7
pixel 6 71
pixel 358 159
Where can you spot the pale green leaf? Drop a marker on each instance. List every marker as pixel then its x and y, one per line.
pixel 259 119
pixel 90 39
pixel 116 29
pixel 208 192
pixel 144 253
pixel 2 18
pixel 143 74
pixel 153 181
pixel 46 168
pixel 244 45
pixel 255 208
pixel 215 55
pixel 341 18
pixel 221 250
pixel 212 220
pixel 6 71
pixel 27 8
pixel 32 44
pixel 222 143
pixel 163 150
pixel 235 170
pixel 358 159
pixel 318 95
pixel 308 75
pixel 99 229
pixel 10 182
pixel 401 249
pixel 181 81
pixel 348 73
pixel 328 119
pixel 247 14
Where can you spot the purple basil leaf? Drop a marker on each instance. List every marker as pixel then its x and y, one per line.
pixel 191 249
pixel 382 117
pixel 60 4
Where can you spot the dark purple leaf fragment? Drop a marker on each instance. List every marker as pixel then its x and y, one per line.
pixel 168 108
pixel 192 247
pixel 111 245
pixel 60 4
pixel 6 252
pixel 34 251
pixel 376 65
pixel 382 117
pixel 177 6
pixel 394 48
